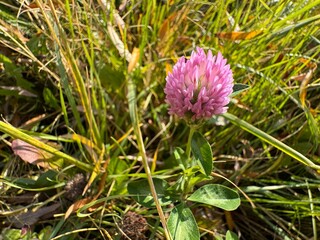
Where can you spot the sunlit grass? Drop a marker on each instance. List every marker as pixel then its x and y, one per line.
pixel 73 61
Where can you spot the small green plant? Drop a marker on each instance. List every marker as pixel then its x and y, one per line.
pixel 196 90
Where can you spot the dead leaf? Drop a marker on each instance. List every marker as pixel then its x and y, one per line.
pixel 78 204
pixel 33 5
pixel 165 27
pixel 168 68
pixel 26 198
pixel 31 122
pixel 31 217
pixel 169 30
pixel 304 86
pixel 238 35
pixel 31 154
pixel 304 77
pixel 96 171
pixel 12 30
pixel 134 59
pixel 26 151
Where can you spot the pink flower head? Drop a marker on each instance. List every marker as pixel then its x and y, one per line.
pixel 199 88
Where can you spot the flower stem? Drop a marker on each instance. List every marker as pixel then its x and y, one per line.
pixel 188 162
pixel 188 150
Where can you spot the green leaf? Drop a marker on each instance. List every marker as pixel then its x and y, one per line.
pixel 24 182
pixel 198 177
pixel 15 234
pixel 231 236
pixel 218 196
pixel 238 88
pixel 14 71
pixel 202 152
pixel 140 192
pixel 45 233
pixel 181 157
pixel 50 99
pixel 117 171
pixel 111 78
pixel 7 92
pixel 47 179
pixel 182 224
pixel 45 182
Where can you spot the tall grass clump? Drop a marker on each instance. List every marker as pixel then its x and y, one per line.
pixel 89 151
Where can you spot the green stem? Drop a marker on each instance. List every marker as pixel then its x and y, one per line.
pixel 135 122
pixel 188 150
pixel 187 163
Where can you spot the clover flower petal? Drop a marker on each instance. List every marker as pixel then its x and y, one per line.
pixel 199 87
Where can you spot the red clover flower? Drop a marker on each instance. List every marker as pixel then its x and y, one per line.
pixel 199 87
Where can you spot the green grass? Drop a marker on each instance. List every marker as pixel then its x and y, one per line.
pixel 93 79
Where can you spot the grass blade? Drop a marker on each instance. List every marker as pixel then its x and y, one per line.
pixel 136 127
pixel 271 140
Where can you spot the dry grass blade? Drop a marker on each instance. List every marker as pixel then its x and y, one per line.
pixel 89 76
